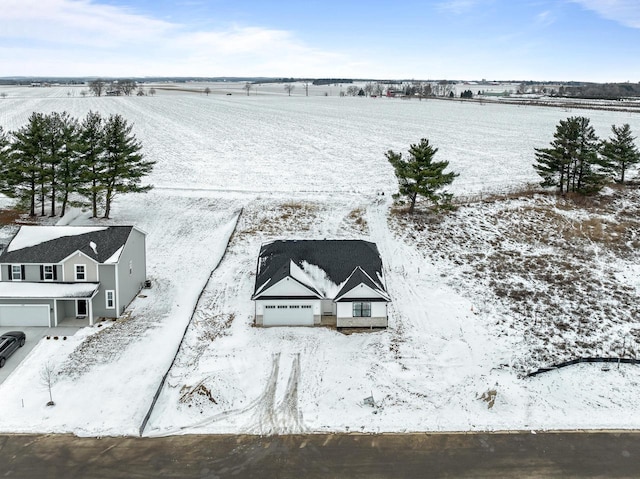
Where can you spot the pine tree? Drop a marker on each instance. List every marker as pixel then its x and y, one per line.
pixel 620 152
pixel 572 162
pixel 58 151
pixel 419 175
pixel 68 160
pixel 124 164
pixel 90 148
pixel 26 178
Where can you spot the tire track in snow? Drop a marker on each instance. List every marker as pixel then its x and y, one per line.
pixel 288 412
pixel 264 416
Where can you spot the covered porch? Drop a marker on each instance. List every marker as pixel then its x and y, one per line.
pixel 47 304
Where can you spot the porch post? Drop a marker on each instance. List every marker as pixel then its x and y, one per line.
pixel 90 303
pixel 55 313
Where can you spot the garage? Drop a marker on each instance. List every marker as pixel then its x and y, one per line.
pixel 24 315
pixel 288 315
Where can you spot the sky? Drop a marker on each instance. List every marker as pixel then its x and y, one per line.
pixel 564 40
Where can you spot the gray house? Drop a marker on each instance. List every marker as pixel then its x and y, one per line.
pixel 320 282
pixel 51 274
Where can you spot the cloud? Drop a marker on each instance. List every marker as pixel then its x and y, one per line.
pixel 82 37
pixel 457 6
pixel 545 18
pixel 625 12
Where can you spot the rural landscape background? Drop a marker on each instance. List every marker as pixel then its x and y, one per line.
pixel 513 280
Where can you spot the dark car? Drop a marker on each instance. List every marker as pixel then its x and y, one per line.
pixel 9 343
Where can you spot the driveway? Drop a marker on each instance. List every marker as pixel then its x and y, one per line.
pixel 34 335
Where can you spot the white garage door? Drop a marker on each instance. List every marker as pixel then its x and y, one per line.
pixel 24 315
pixel 288 315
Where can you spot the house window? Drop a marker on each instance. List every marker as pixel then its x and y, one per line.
pixel 17 272
pixel 270 307
pixel 361 310
pixel 81 272
pixel 110 296
pixel 47 272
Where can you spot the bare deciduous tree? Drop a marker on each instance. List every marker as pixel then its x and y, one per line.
pixel 47 379
pixel 247 87
pixel 207 90
pixel 152 91
pixel 96 87
pixel 289 87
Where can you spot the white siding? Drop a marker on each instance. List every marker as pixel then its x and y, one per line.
pixel 287 287
pixel 361 291
pixel 378 316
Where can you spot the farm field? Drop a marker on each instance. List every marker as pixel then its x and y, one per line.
pixel 314 167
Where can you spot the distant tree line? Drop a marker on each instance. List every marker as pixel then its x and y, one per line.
pixel 118 87
pixel 606 91
pixel 56 159
pixel 578 161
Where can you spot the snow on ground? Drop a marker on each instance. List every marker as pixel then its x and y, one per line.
pixel 108 376
pixel 313 168
pixel 443 364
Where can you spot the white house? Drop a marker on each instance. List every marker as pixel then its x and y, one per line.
pixel 312 282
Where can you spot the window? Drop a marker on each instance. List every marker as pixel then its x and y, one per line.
pixel 306 306
pixel 16 272
pixel 47 272
pixel 111 298
pixel 81 273
pixel 361 310
pixel 270 307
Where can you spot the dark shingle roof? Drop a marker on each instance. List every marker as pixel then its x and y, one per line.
pixel 337 258
pixel 107 242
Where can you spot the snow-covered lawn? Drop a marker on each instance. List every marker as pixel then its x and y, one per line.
pixel 106 377
pixel 458 339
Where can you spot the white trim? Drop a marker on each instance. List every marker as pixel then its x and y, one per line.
pixel 84 271
pixel 113 298
pixel 90 311
pixel 13 276
pixel 44 272
pixel 117 289
pixel 55 313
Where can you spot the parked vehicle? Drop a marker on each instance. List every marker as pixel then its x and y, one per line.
pixel 9 343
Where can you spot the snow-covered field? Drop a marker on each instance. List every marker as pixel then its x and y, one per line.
pixel 306 167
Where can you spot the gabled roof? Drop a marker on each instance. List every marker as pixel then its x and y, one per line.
pixel 52 244
pixel 337 259
pixel 360 277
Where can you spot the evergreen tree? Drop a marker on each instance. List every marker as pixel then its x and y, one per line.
pixel 572 162
pixel 68 179
pixel 124 164
pixel 26 179
pixel 420 175
pixel 58 152
pixel 90 149
pixel 620 152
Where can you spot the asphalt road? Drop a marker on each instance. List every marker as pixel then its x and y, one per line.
pixel 498 455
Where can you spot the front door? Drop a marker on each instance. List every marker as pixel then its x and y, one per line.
pixel 81 307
